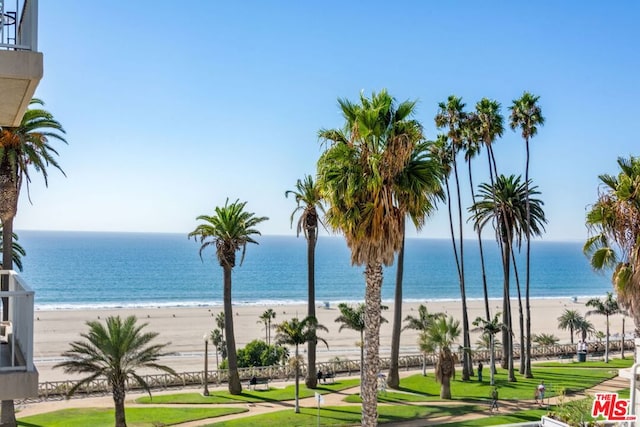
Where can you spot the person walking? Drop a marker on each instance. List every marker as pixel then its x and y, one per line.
pixel 540 392
pixel 480 366
pixel 494 399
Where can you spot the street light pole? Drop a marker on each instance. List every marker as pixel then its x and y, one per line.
pixel 206 366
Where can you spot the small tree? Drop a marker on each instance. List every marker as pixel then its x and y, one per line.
pixel 570 319
pixel 439 338
pixel 421 323
pixel 296 332
pixel 545 339
pixel 266 318
pixel 217 340
pixel 115 353
pixel 489 331
pixel 607 307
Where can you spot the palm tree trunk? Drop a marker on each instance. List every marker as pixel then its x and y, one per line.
pixel 393 380
pixel 520 311
pixel 492 362
pixel 484 274
pixel 8 412
pixel 466 360
pixel 311 381
pixel 235 387
pixel 369 387
pixel 606 347
pixel 118 400
pixel 527 360
pixel 508 343
pixel 297 404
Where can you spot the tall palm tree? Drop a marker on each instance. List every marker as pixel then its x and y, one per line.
pixel 451 115
pixel 423 177
pixel 614 226
pixel 570 319
pixel 114 351
pixel 607 307
pixel 309 202
pixel 17 251
pixel 354 318
pixel 489 126
pixel 358 178
pixel 439 338
pixel 421 323
pixel 504 206
pixel 22 149
pixel 266 317
pixel 230 229
pixel 295 332
pixel 526 115
pixel 490 329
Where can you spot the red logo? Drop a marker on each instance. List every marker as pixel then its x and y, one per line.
pixel 611 408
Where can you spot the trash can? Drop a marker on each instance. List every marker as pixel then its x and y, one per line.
pixel 582 356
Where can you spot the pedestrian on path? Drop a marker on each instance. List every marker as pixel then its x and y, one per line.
pixel 480 371
pixel 494 399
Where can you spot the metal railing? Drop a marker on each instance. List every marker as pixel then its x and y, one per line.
pixel 19 25
pixel 18 330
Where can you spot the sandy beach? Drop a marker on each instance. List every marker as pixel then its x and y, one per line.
pixel 184 328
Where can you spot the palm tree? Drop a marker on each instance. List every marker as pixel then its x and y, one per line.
pixel 114 351
pixel 584 328
pixel 230 229
pixel 266 318
pixel 545 339
pixel 489 330
pixel 220 322
pixel 570 319
pixel 309 202
pixel 17 251
pixel 439 338
pixel 504 206
pixel 217 340
pixel 451 115
pixel 354 318
pixel 421 323
pixel 296 332
pixel 22 149
pixel 422 175
pixel 607 307
pixel 614 225
pixel 527 116
pixel 358 177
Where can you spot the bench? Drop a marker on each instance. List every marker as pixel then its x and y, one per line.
pixel 253 382
pixel 328 376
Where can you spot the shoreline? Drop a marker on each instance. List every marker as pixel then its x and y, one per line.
pixel 184 328
pixel 275 303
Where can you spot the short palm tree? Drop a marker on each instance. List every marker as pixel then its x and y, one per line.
pixel 526 115
pixel 607 307
pixel 570 319
pixel 545 339
pixel 218 342
pixel 359 179
pixel 354 318
pixel 489 330
pixel 266 318
pixel 309 202
pixel 22 149
pixel 230 229
pixel 585 329
pixel 114 351
pixel 296 332
pixel 503 205
pixel 439 338
pixel 421 323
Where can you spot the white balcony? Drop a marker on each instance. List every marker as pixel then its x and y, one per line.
pixel 18 374
pixel 20 61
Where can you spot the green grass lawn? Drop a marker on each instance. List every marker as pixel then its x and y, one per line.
pixel 136 417
pixel 498 419
pixel 613 364
pixel 343 416
pixel 224 397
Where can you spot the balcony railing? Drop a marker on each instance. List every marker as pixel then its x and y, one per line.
pixel 16 334
pixel 19 25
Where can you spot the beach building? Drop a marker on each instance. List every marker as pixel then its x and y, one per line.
pixel 20 74
pixel 20 61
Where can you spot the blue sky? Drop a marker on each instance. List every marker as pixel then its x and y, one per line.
pixel 172 107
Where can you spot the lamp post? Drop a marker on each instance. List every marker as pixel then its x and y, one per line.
pixel 206 365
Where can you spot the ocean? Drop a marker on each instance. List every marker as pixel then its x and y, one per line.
pixel 80 270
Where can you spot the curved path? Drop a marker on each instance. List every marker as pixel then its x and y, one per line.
pixel 330 399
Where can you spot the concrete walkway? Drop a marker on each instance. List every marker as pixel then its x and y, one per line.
pixel 331 399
